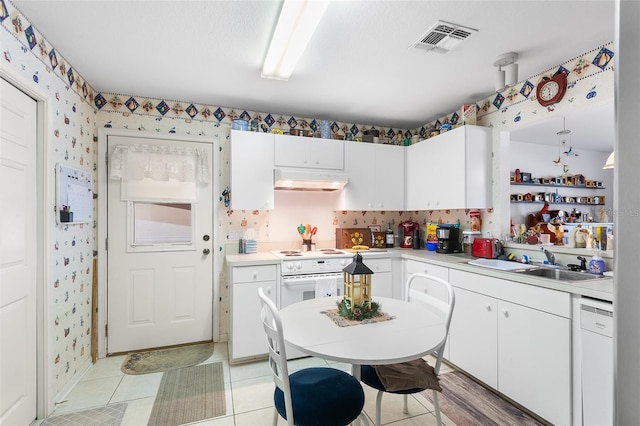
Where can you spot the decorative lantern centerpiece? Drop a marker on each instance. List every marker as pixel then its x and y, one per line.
pixel 356 303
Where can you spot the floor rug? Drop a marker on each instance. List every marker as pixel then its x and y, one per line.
pixel 189 395
pixel 111 415
pixel 466 403
pixel 166 359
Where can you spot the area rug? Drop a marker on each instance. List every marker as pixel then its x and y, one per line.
pixel 166 359
pixel 466 403
pixel 111 415
pixel 189 395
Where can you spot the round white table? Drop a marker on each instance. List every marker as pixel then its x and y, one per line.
pixel 413 333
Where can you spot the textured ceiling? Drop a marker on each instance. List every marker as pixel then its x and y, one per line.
pixel 358 67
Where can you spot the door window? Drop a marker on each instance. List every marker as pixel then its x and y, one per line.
pixel 160 226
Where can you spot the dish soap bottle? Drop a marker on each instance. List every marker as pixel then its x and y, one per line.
pixel 389 238
pixel 596 265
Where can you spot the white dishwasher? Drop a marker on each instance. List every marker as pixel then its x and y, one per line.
pixel 596 329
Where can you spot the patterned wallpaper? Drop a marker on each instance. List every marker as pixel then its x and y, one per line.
pixel 79 111
pixel 72 128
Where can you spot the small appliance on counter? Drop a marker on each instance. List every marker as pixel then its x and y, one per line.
pixel 406 233
pixel 489 248
pixel 448 239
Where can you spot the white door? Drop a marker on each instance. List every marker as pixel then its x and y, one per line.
pixel 18 206
pixel 159 266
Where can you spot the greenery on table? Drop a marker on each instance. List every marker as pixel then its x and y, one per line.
pixel 360 312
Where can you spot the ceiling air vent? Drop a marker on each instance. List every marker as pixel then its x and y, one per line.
pixel 443 37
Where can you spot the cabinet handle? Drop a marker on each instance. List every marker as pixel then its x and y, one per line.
pixel 488 308
pixel 255 275
pixel 505 313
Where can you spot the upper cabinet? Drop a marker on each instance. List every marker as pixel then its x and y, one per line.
pixel 450 171
pixel 376 178
pixel 251 164
pixel 305 152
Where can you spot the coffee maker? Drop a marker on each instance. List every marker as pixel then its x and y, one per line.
pixel 406 233
pixel 448 239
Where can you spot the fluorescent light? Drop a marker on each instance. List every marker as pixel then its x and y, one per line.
pixel 610 162
pixel 296 24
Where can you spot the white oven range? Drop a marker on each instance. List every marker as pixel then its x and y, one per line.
pixel 309 274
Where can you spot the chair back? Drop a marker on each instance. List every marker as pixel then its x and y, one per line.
pixel 436 295
pixel 277 352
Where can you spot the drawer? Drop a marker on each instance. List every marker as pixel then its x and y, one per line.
pixel 378 265
pixel 247 274
pixel 413 267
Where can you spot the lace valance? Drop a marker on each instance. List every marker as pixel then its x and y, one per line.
pixel 159 163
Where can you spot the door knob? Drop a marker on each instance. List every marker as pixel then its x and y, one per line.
pixel 206 251
pixel 205 237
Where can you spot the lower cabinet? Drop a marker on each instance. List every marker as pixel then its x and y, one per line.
pixel 382 278
pixel 515 338
pixel 473 336
pixel 247 338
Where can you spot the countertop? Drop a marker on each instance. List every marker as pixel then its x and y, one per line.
pixel 598 288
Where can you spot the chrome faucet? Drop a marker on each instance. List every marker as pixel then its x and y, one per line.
pixel 550 256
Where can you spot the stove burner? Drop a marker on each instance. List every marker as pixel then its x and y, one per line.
pixel 330 251
pixel 290 253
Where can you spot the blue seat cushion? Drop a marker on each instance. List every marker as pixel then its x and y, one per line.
pixel 369 376
pixel 322 397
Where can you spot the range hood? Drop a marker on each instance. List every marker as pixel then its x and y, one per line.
pixel 309 180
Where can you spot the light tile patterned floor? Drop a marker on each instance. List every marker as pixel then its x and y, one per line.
pixel 249 392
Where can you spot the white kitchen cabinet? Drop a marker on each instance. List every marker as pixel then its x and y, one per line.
pixel 450 171
pixel 515 338
pixel 247 338
pixel 473 336
pixel 306 152
pixel 534 360
pixel 251 167
pixel 414 266
pixel 382 278
pixel 376 180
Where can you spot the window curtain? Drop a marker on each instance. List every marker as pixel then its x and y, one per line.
pixel 159 163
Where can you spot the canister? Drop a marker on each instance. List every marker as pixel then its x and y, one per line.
pixel 467 240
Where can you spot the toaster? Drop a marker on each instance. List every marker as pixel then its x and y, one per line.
pixel 489 248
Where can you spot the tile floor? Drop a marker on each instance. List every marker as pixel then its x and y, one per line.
pixel 248 387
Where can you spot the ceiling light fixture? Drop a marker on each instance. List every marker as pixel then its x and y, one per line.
pixel 296 24
pixel 507 76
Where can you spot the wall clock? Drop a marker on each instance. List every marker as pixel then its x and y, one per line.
pixel 551 90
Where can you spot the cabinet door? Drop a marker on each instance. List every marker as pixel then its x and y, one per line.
pixel 358 160
pixel 305 152
pixel 535 360
pixel 418 178
pixel 446 172
pixel 473 336
pixel 388 166
pixel 291 151
pixel 382 278
pixel 251 164
pixel 327 153
pixel 247 333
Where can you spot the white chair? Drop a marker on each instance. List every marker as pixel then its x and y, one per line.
pixel 319 396
pixel 436 295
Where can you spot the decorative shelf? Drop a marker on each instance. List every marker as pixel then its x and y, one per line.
pixel 554 185
pixel 549 202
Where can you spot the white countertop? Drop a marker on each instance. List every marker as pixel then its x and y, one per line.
pixel 599 288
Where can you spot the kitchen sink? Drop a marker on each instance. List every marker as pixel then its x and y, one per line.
pixel 560 274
